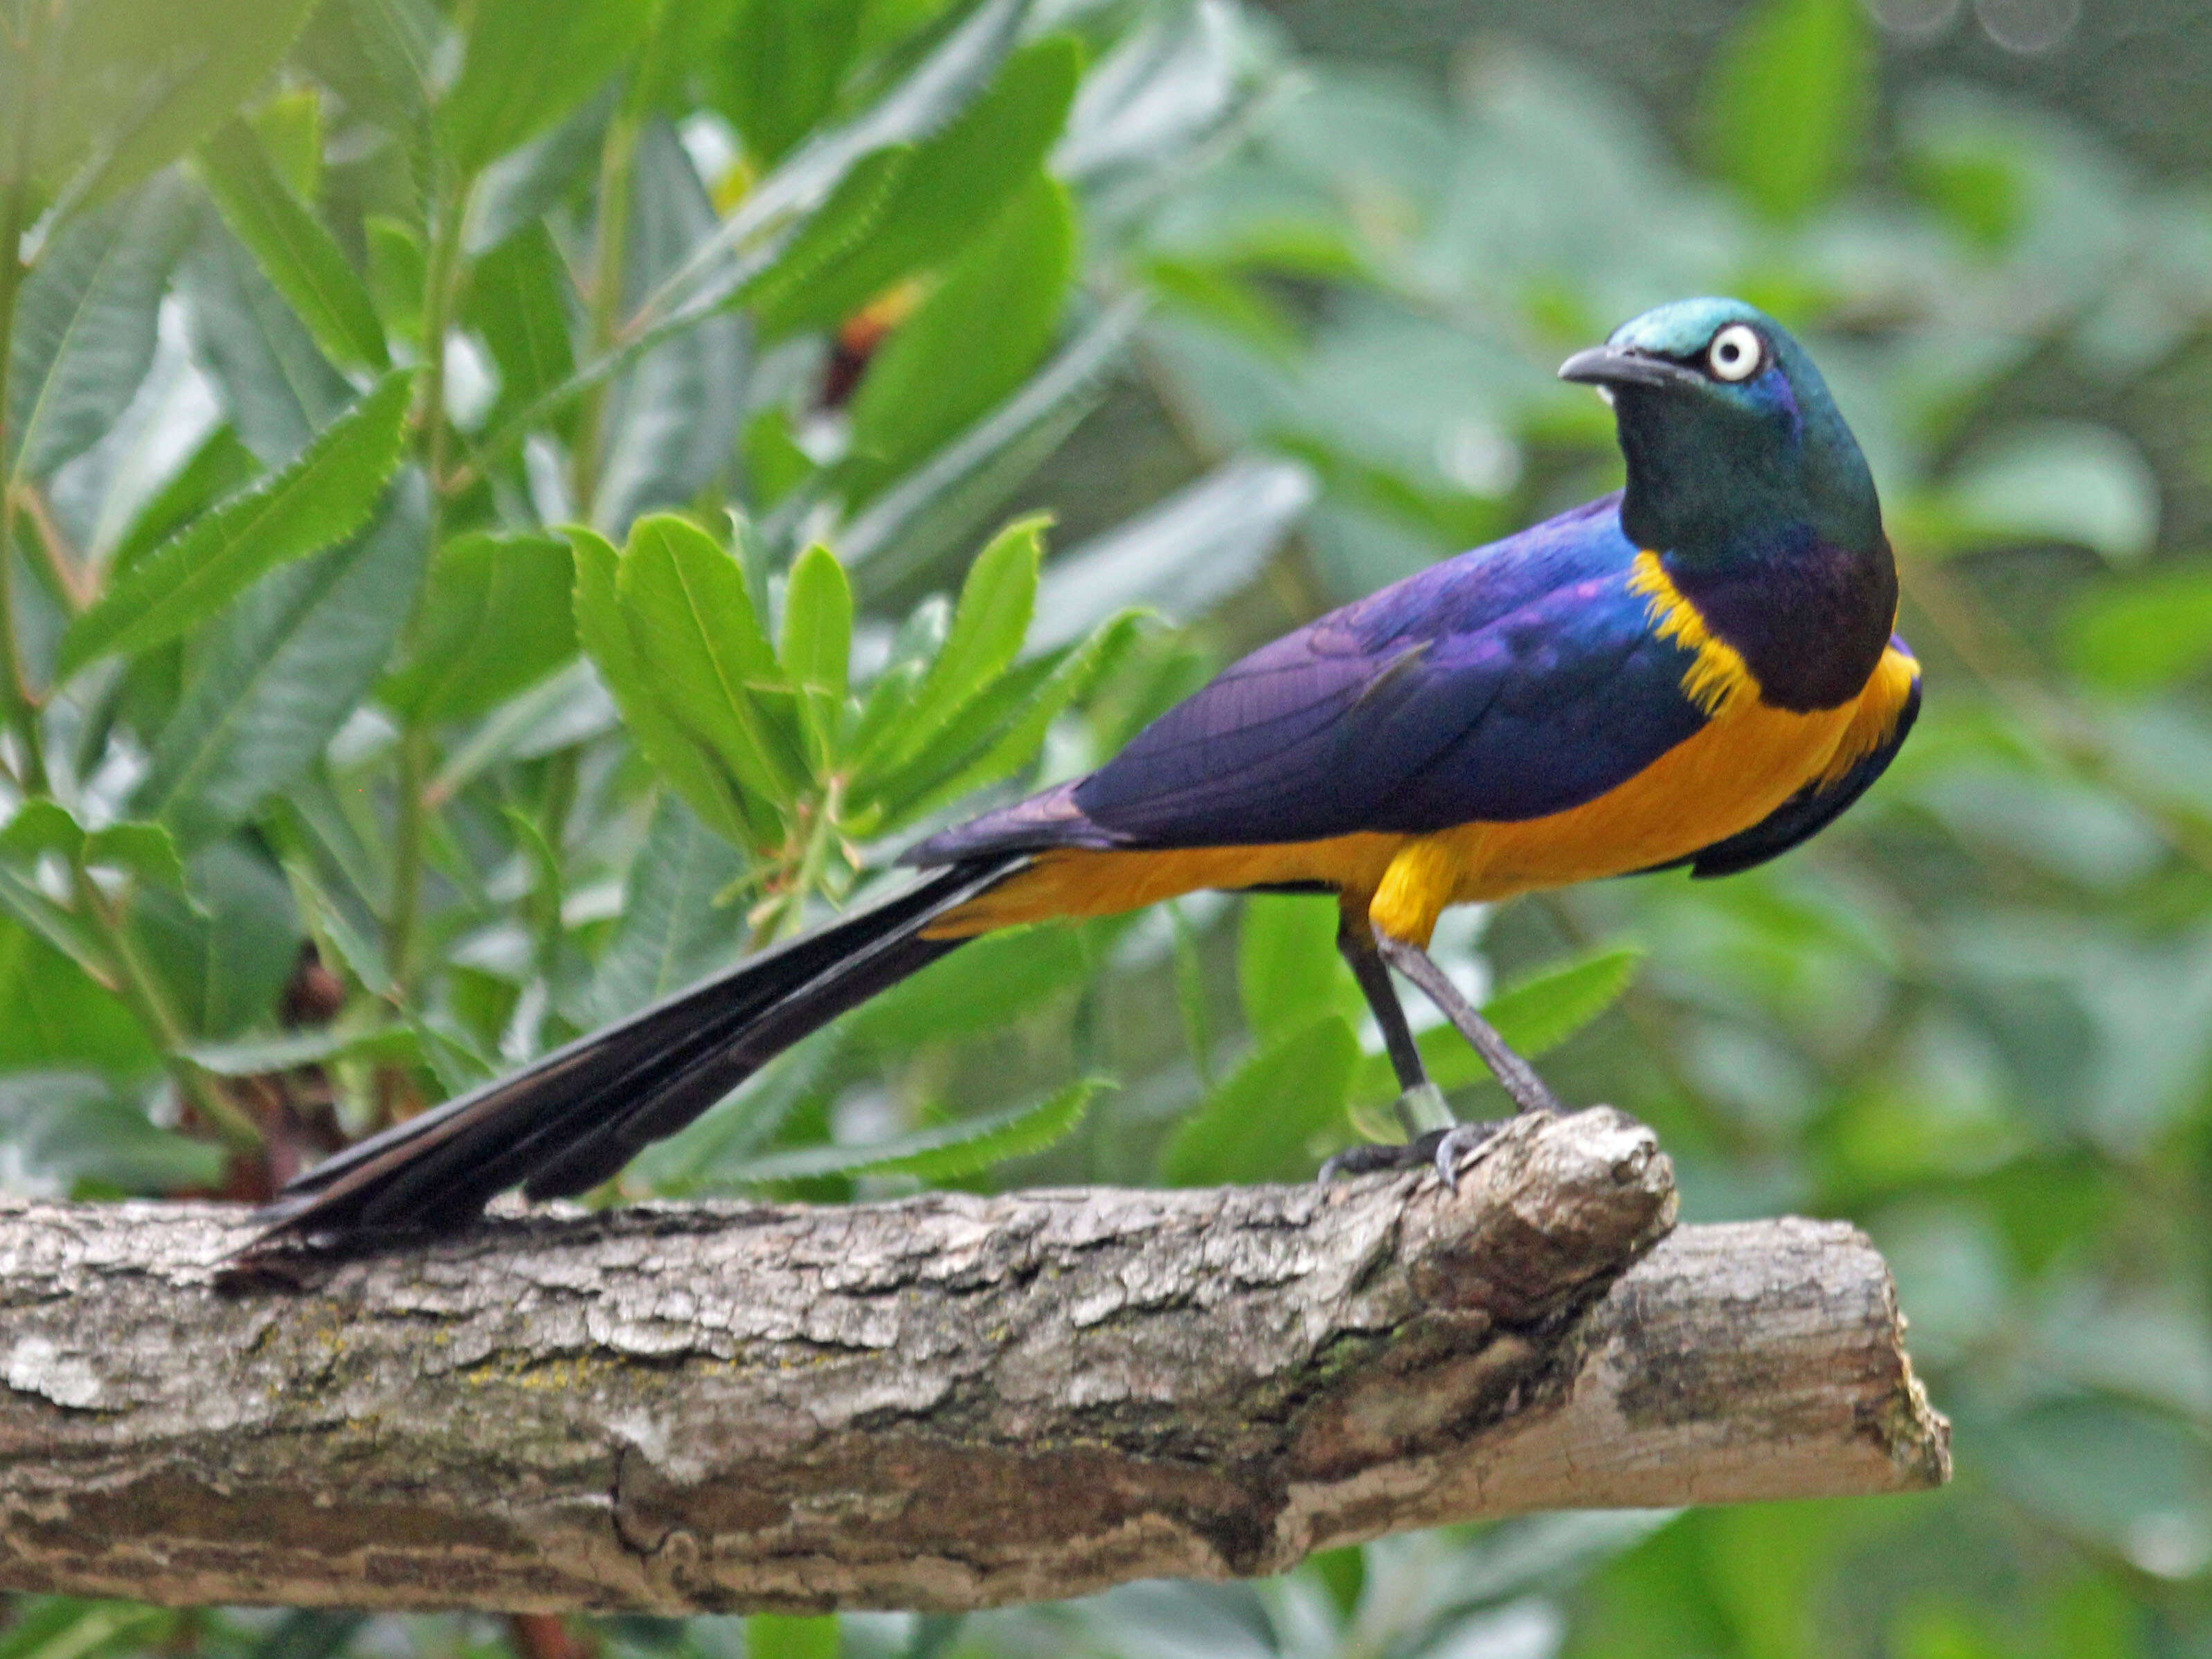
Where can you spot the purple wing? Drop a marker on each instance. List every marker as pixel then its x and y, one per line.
pixel 1516 680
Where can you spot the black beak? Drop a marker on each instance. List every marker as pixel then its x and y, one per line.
pixel 1611 365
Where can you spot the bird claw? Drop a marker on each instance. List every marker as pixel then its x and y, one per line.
pixel 1441 1150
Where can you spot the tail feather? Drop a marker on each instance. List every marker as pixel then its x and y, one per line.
pixel 570 1119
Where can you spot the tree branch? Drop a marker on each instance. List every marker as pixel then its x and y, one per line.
pixel 944 1402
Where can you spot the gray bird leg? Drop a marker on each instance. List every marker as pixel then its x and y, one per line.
pixel 1529 1092
pixel 1421 1105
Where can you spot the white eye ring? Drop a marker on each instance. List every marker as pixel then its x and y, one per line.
pixel 1736 353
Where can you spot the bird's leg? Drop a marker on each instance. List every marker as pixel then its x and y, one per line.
pixel 1432 1134
pixel 1421 1105
pixel 1530 1092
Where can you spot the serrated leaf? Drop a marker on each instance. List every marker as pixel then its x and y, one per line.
pixel 294 252
pixel 526 65
pixel 943 1153
pixel 277 676
pixel 671 933
pixel 939 503
pixel 324 495
pixel 141 82
pixel 495 618
pixel 982 988
pixel 972 342
pixel 911 209
pixel 85 326
pixel 1272 1117
pixel 996 600
pixel 995 737
pixel 685 599
pixel 1535 1015
pixel 605 634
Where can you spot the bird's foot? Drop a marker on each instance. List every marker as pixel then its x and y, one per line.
pixel 1444 1149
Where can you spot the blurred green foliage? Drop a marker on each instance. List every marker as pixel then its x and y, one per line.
pixel 509 506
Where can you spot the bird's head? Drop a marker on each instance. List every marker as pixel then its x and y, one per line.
pixel 1734 447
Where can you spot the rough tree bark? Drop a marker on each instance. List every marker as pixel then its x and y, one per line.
pixel 945 1403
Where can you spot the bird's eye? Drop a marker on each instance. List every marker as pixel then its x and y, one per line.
pixel 1736 353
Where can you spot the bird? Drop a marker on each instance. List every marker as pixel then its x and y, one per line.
pixel 1700 669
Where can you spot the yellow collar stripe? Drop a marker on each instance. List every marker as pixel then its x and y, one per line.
pixel 1719 681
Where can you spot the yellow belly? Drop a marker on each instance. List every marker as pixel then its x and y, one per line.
pixel 1729 776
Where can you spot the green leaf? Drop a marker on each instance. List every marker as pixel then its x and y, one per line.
pixel 691 617
pixel 494 619
pixel 780 66
pixel 528 64
pixel 994 614
pixel 999 731
pixel 218 467
pixel 605 633
pixel 817 647
pixel 1274 1114
pixel 224 961
pixel 518 301
pixel 982 988
pixel 938 504
pixel 294 250
pixel 322 496
pixel 909 210
pixel 1535 1016
pixel 144 81
pixel 279 673
pixel 2060 481
pixel 672 933
pixel 943 1153
pixel 256 1056
pixel 85 325
pixel 2146 634
pixel 972 342
pixel 1788 100
pixel 66 1129
pixel 58 1016
pixel 1288 970
pixel 278 387
pixel 42 826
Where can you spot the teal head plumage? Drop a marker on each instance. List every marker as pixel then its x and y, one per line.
pixel 1732 436
pixel 1744 477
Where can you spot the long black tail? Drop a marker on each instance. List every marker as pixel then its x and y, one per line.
pixel 566 1122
